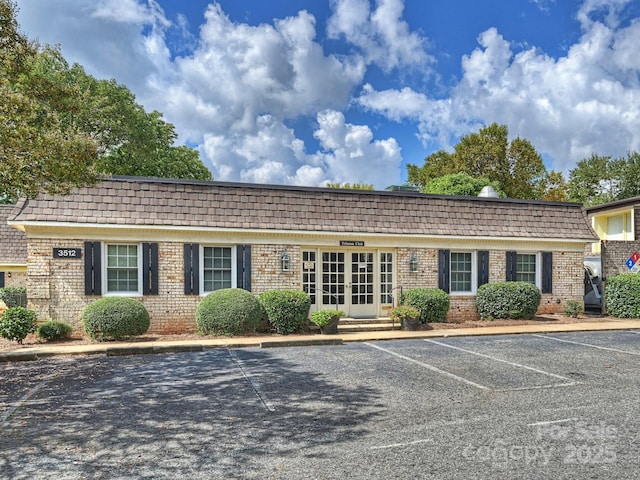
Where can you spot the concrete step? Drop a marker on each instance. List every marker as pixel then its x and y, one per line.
pixel 351 325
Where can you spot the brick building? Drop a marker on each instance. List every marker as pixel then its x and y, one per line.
pixel 170 242
pixel 13 252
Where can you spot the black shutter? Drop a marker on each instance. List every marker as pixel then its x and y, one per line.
pixel 512 267
pixel 243 267
pixel 191 269
pixel 150 269
pixel 444 259
pixel 1 279
pixel 547 272
pixel 92 269
pixel 483 267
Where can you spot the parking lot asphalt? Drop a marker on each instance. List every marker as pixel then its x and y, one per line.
pixel 20 353
pixel 527 406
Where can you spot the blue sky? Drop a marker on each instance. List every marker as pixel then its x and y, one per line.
pixel 305 92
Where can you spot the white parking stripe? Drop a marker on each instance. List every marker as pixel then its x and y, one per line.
pixel 554 375
pixel 549 337
pixel 632 331
pixel 430 367
pixel 22 401
pixel 551 422
pixel 405 444
pixel 252 381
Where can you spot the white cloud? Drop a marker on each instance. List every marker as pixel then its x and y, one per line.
pixel 585 102
pixel 384 38
pixel 353 156
pixel 233 94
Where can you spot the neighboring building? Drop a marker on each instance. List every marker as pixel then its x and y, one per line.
pixel 616 224
pixel 615 221
pixel 13 252
pixel 170 242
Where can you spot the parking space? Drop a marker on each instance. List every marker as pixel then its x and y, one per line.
pixel 516 406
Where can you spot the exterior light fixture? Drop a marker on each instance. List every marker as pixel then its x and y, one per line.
pixel 413 263
pixel 286 261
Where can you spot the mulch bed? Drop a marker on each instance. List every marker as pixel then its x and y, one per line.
pixel 32 340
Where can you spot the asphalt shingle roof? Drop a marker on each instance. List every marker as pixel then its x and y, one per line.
pixel 143 202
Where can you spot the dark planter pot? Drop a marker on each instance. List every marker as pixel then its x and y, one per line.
pixel 331 328
pixel 409 323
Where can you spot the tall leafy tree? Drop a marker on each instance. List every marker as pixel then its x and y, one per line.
pixel 60 127
pixel 41 147
pixel 601 179
pixel 516 166
pixel 435 165
pixel 594 180
pixel 460 184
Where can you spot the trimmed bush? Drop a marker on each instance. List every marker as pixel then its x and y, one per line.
pixel 432 303
pixel 572 308
pixel 14 296
pixel 623 295
pixel 115 318
pixel 516 300
pixel 287 310
pixel 54 330
pixel 16 323
pixel 228 311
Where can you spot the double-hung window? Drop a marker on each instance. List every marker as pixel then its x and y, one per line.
pixel 218 268
pixel 123 269
pixel 527 268
pixel 462 273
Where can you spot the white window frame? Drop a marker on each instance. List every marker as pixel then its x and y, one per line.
pixel 105 268
pixel 234 267
pixel 538 256
pixel 474 274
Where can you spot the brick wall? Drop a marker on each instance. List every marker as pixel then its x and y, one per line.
pixel 15 278
pixel 266 268
pixel 56 286
pixel 614 255
pixel 568 274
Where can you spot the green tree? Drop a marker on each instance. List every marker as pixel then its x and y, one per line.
pixel 554 188
pixel 435 165
pixel 601 179
pixel 594 180
pixel 41 147
pixel 516 166
pixel 460 184
pixel 61 128
pixel 629 171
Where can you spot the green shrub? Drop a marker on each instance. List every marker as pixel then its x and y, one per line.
pixel 54 330
pixel 228 311
pixel 623 295
pixel 16 323
pixel 406 312
pixel 287 310
pixel 14 296
pixel 324 317
pixel 572 308
pixel 517 300
pixel 115 318
pixel 432 303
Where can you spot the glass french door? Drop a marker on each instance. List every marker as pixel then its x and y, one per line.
pixel 348 282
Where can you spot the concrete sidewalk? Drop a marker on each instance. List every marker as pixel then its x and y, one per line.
pixel 22 353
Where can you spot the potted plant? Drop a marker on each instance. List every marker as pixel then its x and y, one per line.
pixel 409 317
pixel 327 320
